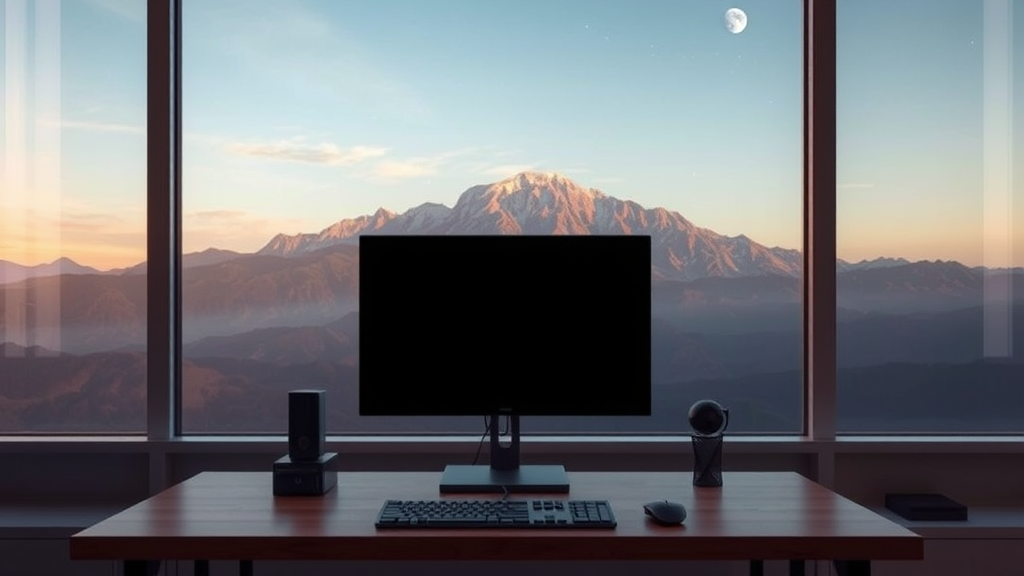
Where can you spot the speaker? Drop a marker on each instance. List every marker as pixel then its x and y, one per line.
pixel 307 432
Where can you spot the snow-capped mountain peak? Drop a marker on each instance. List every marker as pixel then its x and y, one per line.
pixel 549 203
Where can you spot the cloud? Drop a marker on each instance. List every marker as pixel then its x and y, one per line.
pixel 237 230
pixel 416 167
pixel 100 126
pixel 96 224
pixel 218 216
pixel 101 239
pixel 574 171
pixel 399 169
pixel 69 218
pixel 206 139
pixel 295 150
pixel 133 10
pixel 506 170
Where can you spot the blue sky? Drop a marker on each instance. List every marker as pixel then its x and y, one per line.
pixel 299 113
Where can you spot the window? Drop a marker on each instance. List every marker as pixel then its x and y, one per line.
pixel 306 123
pixel 72 216
pixel 930 217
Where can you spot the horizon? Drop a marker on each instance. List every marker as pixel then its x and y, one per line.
pixel 302 114
pixel 494 183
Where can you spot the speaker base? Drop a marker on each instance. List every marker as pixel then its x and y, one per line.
pixel 305 478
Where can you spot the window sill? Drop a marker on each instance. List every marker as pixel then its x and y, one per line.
pixel 983 523
pixel 49 520
pixel 383 445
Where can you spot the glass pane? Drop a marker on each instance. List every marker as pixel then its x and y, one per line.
pixel 308 123
pixel 930 216
pixel 73 216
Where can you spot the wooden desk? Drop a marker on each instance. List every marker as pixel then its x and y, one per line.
pixel 754 516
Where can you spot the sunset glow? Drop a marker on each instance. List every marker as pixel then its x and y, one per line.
pixel 263 156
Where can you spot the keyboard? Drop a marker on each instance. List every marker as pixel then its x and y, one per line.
pixel 495 514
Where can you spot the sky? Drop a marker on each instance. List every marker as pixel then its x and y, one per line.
pixel 299 113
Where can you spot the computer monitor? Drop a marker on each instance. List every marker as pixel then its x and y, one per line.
pixel 504 326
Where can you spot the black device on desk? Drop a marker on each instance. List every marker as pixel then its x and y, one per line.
pixel 495 514
pixel 504 326
pixel 307 470
pixel 665 513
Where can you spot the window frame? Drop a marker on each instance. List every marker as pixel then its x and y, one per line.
pixel 163 441
pixel 164 140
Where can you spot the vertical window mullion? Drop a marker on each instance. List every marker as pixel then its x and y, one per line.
pixel 819 279
pixel 163 255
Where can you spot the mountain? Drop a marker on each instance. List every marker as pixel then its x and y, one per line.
pixel 74 312
pixel 703 282
pixel 922 286
pixel 91 313
pixel 955 336
pixel 12 350
pixel 106 393
pixel 95 393
pixel 336 342
pixel 192 259
pixel 266 293
pixel 11 272
pixel 844 266
pixel 544 204
pixel 684 350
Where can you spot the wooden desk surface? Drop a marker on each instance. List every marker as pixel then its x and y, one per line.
pixel 755 515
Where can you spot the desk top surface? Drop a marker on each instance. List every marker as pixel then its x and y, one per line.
pixel 755 515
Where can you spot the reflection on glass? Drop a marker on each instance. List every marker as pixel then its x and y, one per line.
pixel 930 217
pixel 72 216
pixel 308 124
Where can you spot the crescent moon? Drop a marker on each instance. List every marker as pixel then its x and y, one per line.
pixel 735 20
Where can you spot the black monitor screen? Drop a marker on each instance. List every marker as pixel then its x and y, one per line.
pixel 505 324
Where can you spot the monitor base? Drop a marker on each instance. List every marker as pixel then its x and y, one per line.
pixel 533 479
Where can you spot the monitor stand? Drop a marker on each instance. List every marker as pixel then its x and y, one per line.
pixel 504 474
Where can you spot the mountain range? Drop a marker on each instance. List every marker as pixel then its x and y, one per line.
pixel 703 281
pixel 11 272
pixel 232 297
pixel 527 203
pixel 544 204
pixel 726 323
pixel 105 392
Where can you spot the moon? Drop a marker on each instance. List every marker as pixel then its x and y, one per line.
pixel 735 20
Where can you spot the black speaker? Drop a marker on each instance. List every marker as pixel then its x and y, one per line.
pixel 307 432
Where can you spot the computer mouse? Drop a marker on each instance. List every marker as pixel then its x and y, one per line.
pixel 666 513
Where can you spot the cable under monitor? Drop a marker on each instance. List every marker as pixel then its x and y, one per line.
pixel 504 474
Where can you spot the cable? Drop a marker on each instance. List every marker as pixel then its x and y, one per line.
pixel 487 430
pixel 505 495
pixel 480 445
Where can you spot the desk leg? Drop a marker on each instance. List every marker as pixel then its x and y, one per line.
pixel 245 568
pixel 853 567
pixel 141 567
pixel 796 568
pixel 202 568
